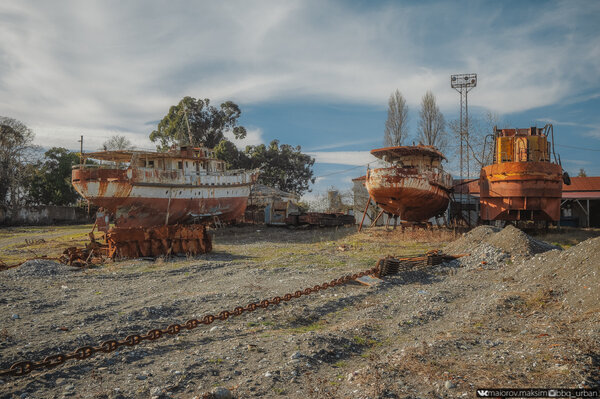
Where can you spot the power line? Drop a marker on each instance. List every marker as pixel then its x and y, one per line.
pixel 578 148
pixel 342 171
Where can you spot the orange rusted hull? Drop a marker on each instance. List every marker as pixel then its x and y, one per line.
pixel 521 191
pixel 411 194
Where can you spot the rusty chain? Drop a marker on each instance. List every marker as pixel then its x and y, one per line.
pixel 25 367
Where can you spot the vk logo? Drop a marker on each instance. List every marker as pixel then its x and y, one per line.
pixel 482 393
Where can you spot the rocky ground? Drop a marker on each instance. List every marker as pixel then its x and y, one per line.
pixel 517 312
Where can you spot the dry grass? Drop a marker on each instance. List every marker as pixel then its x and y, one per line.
pixel 568 236
pixel 20 243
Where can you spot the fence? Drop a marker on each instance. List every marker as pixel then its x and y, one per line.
pixel 43 215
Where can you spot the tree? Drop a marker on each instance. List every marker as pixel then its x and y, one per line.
pixel 234 158
pixel 15 143
pixel 582 173
pixel 431 129
pixel 396 126
pixel 197 122
pixel 49 181
pixel 480 150
pixel 282 166
pixel 117 142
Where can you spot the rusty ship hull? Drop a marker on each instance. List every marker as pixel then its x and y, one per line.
pixel 414 187
pixel 521 191
pixel 411 196
pixel 140 195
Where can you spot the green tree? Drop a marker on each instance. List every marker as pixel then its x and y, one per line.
pixel 282 166
pixel 195 121
pixel 15 143
pixel 235 159
pixel 582 173
pixel 49 181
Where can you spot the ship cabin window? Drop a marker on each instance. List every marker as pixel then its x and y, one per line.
pixel 180 165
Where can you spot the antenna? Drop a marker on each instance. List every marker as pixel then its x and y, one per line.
pixel 463 84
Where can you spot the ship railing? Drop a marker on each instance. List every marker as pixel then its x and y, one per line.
pixel 119 166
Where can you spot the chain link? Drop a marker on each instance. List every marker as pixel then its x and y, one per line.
pixel 25 367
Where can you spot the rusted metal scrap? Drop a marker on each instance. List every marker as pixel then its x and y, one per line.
pixel 392 265
pixel 129 243
pixel 93 253
pixel 157 241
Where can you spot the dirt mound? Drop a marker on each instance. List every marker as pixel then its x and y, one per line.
pixel 575 273
pixel 471 239
pixel 517 243
pixel 39 268
pixel 509 240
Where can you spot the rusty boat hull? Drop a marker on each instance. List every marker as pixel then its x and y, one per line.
pixel 413 196
pixel 521 191
pixel 414 187
pixel 136 202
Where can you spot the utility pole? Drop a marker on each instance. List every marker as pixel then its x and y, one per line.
pixel 463 84
pixel 81 151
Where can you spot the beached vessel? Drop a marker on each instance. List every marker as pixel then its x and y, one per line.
pixel 414 186
pixel 181 186
pixel 523 182
pixel 160 202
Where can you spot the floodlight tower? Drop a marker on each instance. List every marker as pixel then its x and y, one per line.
pixel 463 84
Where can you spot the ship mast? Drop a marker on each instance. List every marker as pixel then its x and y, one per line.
pixel 188 125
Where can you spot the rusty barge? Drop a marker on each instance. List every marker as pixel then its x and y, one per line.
pixel 160 202
pixel 414 187
pixel 523 182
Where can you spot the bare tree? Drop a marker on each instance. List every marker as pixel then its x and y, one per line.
pixel 432 125
pixel 396 126
pixel 481 151
pixel 117 142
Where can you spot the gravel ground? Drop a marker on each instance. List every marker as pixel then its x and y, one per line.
pixel 517 312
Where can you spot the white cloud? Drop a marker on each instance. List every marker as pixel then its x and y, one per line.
pixel 254 136
pixel 564 123
pixel 344 144
pixel 343 157
pixel 114 65
pixel 576 162
pixel 69 136
pixel 595 133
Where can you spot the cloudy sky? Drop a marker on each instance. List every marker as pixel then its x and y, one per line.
pixel 311 73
